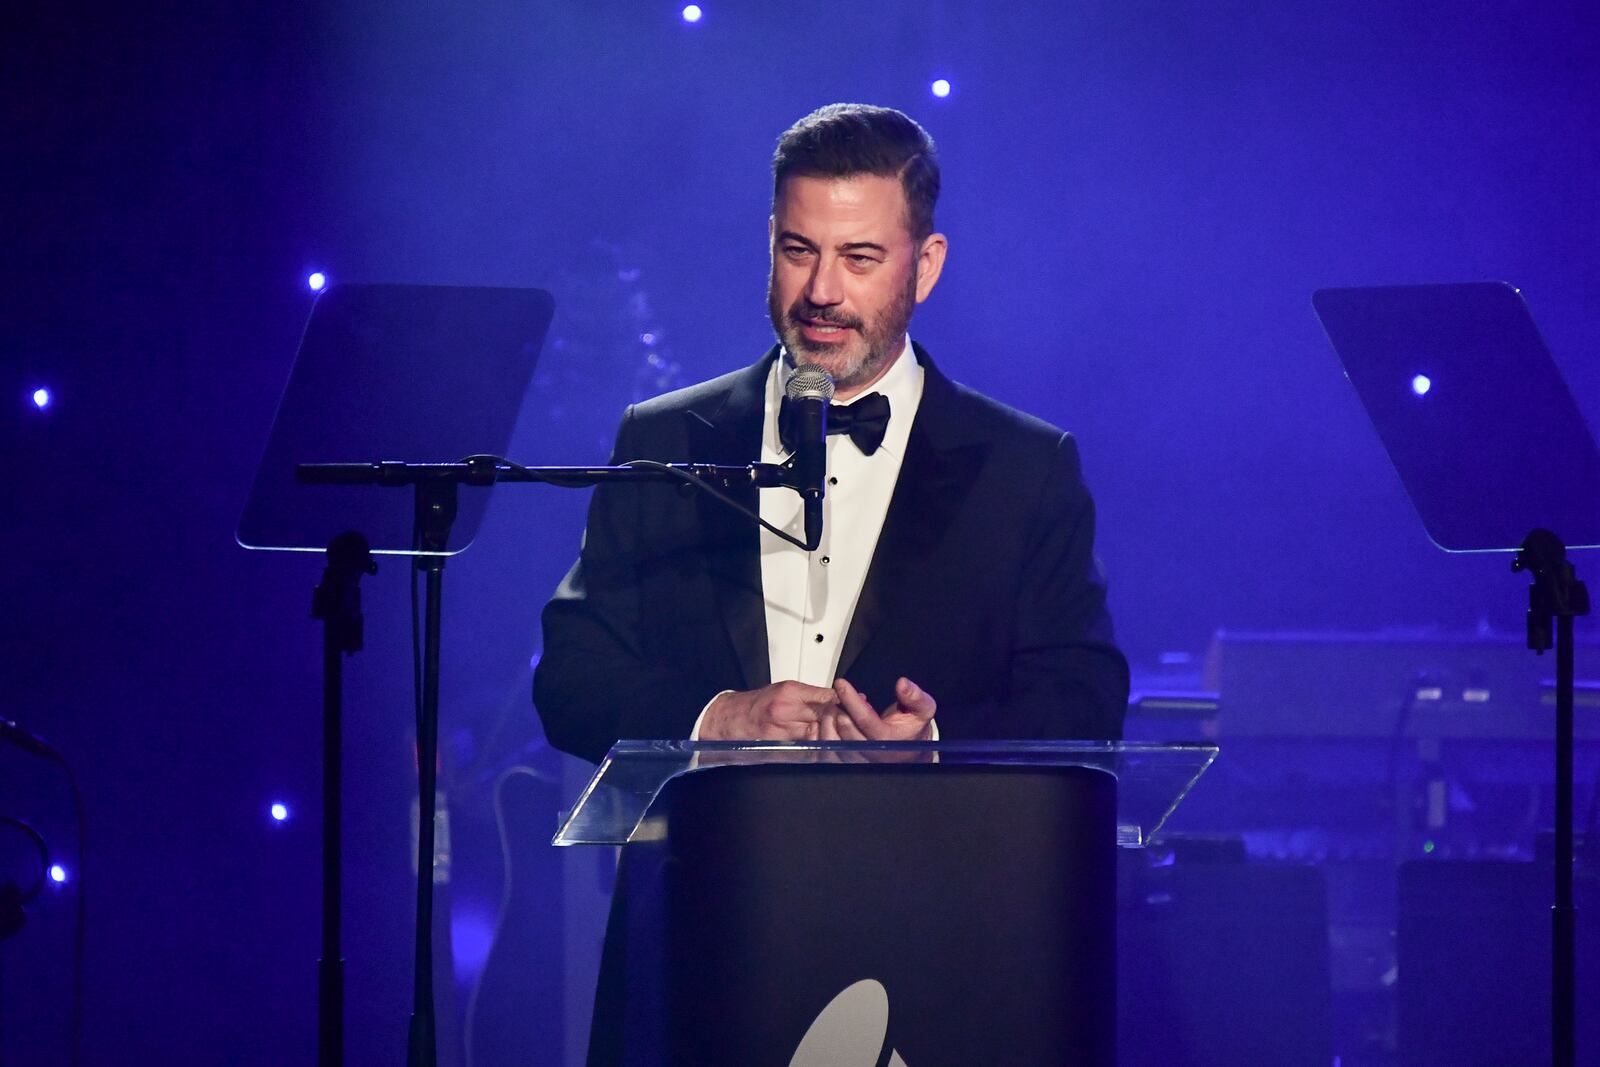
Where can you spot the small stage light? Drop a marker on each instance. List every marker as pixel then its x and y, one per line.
pixel 692 13
pixel 1421 384
pixel 280 811
pixel 41 398
pixel 941 87
pixel 317 281
pixel 58 873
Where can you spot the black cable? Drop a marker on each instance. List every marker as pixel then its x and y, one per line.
pixel 1403 804
pixel 665 468
pixel 26 741
pixel 504 914
pixel 1402 721
pixel 41 846
pixel 705 486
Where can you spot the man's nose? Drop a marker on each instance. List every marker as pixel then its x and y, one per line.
pixel 824 289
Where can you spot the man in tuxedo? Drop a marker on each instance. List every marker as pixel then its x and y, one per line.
pixel 954 593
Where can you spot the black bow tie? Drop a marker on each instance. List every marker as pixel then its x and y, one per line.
pixel 865 421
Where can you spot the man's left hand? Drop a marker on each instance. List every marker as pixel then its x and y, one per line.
pixel 854 719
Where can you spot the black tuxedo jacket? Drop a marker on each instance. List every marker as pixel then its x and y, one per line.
pixel 983 590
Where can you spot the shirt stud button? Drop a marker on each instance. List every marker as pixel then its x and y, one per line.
pixel 833 481
pixel 826 560
pixel 818 639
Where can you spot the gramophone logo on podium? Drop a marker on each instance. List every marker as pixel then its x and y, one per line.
pixel 850 1030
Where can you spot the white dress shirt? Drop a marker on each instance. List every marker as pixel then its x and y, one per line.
pixel 811 596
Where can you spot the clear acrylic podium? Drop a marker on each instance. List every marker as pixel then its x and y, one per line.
pixel 1152 779
pixel 904 903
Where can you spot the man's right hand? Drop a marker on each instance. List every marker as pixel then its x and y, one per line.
pixel 783 711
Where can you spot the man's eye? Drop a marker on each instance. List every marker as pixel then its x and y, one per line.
pixel 796 251
pixel 861 260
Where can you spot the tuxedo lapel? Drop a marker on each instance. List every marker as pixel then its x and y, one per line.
pixel 731 434
pixel 936 475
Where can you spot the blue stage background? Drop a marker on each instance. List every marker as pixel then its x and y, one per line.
pixel 1140 199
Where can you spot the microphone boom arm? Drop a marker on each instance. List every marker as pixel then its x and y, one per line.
pixel 716 480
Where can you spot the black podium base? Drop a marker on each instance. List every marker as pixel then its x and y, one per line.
pixel 842 915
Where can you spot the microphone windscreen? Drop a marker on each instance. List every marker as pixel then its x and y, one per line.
pixel 809 382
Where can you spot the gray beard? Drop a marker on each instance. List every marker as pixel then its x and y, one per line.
pixel 884 336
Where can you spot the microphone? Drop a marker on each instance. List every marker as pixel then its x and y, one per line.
pixel 809 389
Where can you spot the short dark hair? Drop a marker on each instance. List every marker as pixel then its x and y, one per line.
pixel 844 140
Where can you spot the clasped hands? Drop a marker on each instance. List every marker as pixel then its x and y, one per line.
pixel 794 711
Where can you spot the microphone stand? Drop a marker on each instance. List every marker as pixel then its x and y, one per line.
pixel 1557 595
pixel 435 487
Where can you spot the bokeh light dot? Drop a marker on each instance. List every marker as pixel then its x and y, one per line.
pixel 692 13
pixel 317 281
pixel 941 87
pixel 41 398
pixel 1421 384
pixel 280 811
pixel 58 873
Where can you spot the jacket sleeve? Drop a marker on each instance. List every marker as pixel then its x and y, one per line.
pixel 1068 680
pixel 594 683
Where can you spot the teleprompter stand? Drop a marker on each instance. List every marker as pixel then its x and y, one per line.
pixel 1557 596
pixel 337 603
pixel 386 370
pixel 1489 443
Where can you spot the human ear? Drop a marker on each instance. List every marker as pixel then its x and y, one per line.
pixel 930 263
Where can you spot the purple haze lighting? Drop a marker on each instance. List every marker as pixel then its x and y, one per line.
pixel 58 873
pixel 317 281
pixel 692 13
pixel 279 811
pixel 941 87
pixel 1421 384
pixel 41 398
pixel 471 938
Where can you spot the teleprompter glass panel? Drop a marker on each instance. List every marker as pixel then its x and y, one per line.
pixel 1472 409
pixel 414 373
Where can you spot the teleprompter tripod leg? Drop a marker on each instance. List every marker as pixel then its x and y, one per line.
pixel 1557 596
pixel 337 603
